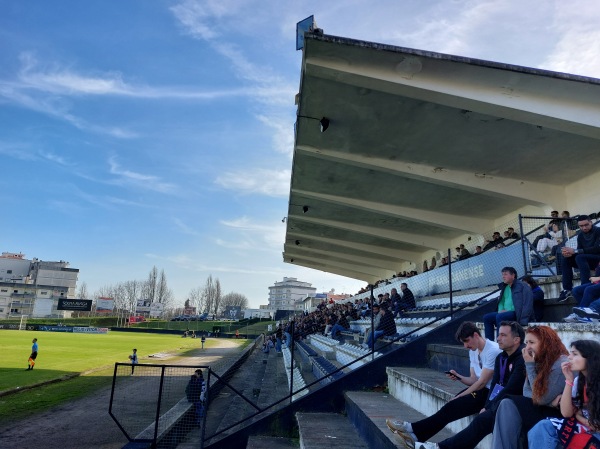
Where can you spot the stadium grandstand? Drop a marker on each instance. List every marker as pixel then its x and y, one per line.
pixel 423 175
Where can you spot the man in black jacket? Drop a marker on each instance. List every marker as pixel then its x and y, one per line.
pixel 508 379
pixel 585 257
pixel 386 326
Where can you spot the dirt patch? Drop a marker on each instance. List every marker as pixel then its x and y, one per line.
pixel 85 422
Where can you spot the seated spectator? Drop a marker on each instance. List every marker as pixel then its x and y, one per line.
pixel 544 355
pixel 575 402
pixel 545 244
pixel 515 303
pixel 386 326
pixel 425 267
pixel 496 239
pixel 586 296
pixel 463 252
pixel 585 257
pixel 496 370
pixel 538 297
pixel 478 250
pixel 433 263
pixel 512 234
pixel 408 299
pixel 340 325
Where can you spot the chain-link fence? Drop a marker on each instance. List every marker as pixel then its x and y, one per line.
pixel 160 404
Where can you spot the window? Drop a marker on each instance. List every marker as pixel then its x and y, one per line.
pixel 8 271
pixel 16 291
pixel 43 293
pixel 4 290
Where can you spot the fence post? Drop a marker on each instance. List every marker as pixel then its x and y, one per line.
pixel 206 401
pixel 372 320
pixel 160 392
pixel 525 268
pixel 291 348
pixel 450 282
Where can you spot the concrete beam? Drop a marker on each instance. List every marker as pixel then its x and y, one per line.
pixel 461 223
pixel 427 242
pixel 535 193
pixel 341 256
pixel 367 278
pixel 348 267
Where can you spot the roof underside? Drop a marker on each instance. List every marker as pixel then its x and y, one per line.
pixel 423 148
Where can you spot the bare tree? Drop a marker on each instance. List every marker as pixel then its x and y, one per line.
pixel 217 295
pixel 197 298
pixel 131 293
pixel 233 299
pixel 151 285
pixel 82 292
pixel 209 294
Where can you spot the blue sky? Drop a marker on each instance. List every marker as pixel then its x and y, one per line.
pixel 137 133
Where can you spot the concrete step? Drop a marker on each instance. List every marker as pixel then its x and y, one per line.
pixel 266 442
pixel 327 431
pixel 368 411
pixel 427 391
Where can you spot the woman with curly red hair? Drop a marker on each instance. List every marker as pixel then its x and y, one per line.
pixel 544 354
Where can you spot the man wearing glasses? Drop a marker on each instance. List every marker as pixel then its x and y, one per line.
pixel 585 257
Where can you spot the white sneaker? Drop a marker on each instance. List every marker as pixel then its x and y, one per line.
pixel 426 445
pixel 573 318
pixel 404 430
pixel 586 312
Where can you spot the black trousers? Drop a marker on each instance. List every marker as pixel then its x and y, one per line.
pixel 470 436
pixel 454 410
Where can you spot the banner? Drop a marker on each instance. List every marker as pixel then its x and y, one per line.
pixel 105 305
pixel 233 312
pixel 156 309
pixel 82 305
pixel 143 305
pixel 90 330
pixel 42 307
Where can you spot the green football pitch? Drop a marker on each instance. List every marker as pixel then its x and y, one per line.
pixel 62 353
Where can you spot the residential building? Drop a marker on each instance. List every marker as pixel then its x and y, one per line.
pixel 33 287
pixel 289 294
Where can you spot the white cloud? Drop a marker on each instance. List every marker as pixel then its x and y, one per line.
pixel 17 151
pixel 283 137
pixel 254 235
pixel 184 228
pixel 55 158
pixel 274 183
pixel 140 180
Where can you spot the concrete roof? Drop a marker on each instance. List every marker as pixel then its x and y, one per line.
pixel 423 148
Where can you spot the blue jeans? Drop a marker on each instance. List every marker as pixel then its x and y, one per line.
pixel 585 294
pixel 371 339
pixel 543 436
pixel 582 261
pixel 335 329
pixel 494 319
pixel 278 345
pixel 288 339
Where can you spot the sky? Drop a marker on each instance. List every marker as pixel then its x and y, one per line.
pixel 140 133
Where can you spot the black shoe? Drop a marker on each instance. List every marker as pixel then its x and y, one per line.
pixel 564 296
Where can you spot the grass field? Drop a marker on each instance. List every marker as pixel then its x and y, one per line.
pixel 67 353
pixel 62 354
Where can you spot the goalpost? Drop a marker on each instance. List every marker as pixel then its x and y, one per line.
pixel 23 323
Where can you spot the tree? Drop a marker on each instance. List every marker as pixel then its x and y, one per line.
pixel 217 296
pixel 82 293
pixel 197 299
pixel 233 299
pixel 151 285
pixel 209 294
pixel 131 292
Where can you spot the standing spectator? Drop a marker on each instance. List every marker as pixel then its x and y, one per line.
pixel 203 340
pixel 433 263
pixel 133 358
pixel 585 257
pixel 195 392
pixel 515 303
pixel 408 299
pixel 33 356
pixel 538 297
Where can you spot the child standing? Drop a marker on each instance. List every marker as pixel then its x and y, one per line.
pixel 134 360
